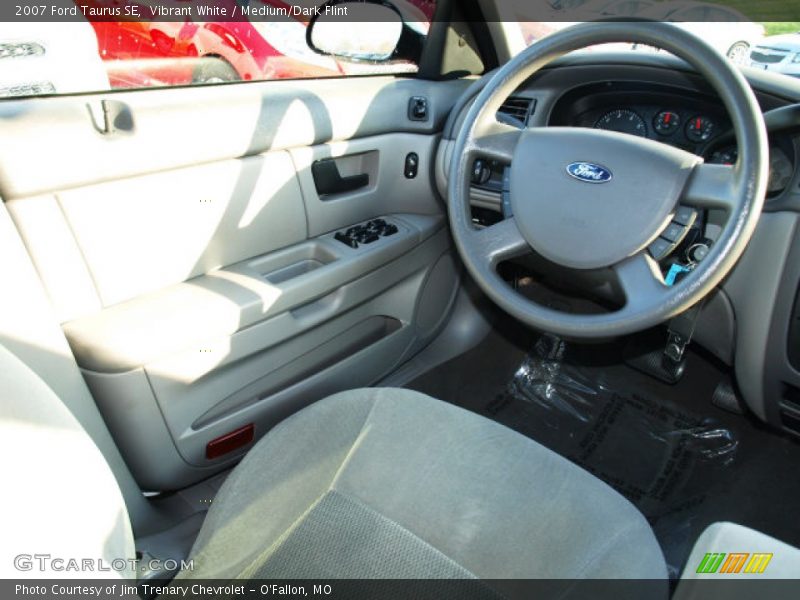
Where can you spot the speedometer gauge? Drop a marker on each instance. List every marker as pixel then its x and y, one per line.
pixel 623 121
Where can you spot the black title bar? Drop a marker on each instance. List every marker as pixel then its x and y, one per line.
pixel 349 11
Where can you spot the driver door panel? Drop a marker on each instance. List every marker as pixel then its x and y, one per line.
pixel 193 263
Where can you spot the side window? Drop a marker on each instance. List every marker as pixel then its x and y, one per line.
pixel 268 43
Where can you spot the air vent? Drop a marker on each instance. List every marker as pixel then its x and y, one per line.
pixel 516 110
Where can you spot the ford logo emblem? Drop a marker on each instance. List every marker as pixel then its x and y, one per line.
pixel 589 172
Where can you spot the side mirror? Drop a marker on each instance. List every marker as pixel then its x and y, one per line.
pixel 362 31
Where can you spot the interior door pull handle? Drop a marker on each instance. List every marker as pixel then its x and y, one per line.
pixel 328 180
pixel 111 117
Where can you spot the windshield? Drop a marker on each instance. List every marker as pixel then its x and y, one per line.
pixel 772 46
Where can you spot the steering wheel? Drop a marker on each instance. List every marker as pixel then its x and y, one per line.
pixel 593 199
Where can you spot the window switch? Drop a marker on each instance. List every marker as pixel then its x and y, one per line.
pixel 346 239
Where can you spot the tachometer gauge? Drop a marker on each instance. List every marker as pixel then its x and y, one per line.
pixel 781 169
pixel 666 122
pixel 623 121
pixel 700 129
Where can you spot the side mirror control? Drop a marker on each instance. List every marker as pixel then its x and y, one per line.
pixel 418 108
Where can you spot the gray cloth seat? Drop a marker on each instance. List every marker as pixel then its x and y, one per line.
pixel 391 483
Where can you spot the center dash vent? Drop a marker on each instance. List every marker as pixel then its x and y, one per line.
pixel 516 110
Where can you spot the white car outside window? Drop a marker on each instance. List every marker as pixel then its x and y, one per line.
pixel 48 58
pixel 778 53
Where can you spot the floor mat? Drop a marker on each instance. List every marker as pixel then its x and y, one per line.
pixel 656 444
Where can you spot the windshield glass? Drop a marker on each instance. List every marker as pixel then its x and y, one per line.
pixel 772 46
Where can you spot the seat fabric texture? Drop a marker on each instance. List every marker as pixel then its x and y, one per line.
pixel 390 483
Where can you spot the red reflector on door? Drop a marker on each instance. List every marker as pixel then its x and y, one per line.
pixel 230 441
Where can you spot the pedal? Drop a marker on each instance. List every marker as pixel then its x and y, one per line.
pixel 655 363
pixel 726 398
pixel 675 349
pixel 670 363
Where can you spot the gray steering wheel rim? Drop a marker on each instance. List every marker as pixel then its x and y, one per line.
pixel 746 188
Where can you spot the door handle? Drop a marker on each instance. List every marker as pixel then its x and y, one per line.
pixel 328 180
pixel 111 117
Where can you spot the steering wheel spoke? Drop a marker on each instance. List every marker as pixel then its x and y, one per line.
pixel 711 186
pixel 496 141
pixel 500 241
pixel 640 279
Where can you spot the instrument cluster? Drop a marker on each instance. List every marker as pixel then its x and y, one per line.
pixel 692 120
pixel 685 128
pixel 696 128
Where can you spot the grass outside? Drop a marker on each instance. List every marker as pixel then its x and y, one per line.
pixel 773 28
pixel 775 11
pixel 770 13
